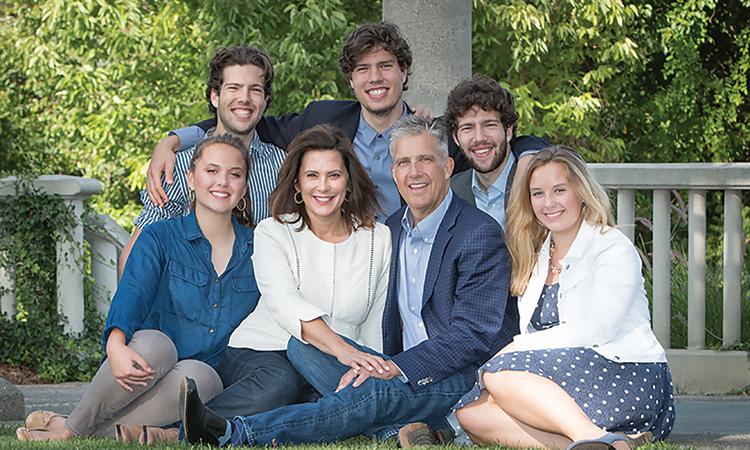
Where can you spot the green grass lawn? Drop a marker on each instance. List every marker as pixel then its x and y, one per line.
pixel 8 442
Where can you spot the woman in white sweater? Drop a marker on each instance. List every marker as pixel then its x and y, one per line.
pixel 321 263
pixel 586 364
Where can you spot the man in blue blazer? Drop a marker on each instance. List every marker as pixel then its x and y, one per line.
pixel 445 315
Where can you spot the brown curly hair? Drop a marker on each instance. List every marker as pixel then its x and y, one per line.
pixel 375 36
pixel 238 55
pixel 481 91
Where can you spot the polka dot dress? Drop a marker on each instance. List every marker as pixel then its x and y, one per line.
pixel 545 314
pixel 625 397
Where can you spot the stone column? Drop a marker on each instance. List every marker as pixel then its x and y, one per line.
pixel 439 34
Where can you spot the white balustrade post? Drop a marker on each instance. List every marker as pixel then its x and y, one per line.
pixel 662 265
pixel 8 297
pixel 103 271
pixel 697 269
pixel 70 272
pixel 733 249
pixel 626 212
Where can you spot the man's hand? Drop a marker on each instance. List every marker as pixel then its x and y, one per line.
pixel 162 161
pixel 356 377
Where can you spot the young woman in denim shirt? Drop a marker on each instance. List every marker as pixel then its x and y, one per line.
pixel 187 284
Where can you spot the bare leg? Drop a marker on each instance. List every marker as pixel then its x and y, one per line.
pixel 486 423
pixel 541 404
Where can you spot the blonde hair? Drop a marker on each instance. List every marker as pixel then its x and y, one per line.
pixel 525 234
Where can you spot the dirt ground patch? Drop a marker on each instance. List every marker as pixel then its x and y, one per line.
pixel 18 375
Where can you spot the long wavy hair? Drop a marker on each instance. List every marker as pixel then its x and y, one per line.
pixel 525 234
pixel 361 204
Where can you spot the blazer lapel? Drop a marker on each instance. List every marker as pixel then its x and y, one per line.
pixel 442 238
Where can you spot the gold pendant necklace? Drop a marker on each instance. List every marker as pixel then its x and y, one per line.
pixel 556 269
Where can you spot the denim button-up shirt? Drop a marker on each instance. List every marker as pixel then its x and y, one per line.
pixel 169 284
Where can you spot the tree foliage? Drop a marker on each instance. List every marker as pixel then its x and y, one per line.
pixel 624 80
pixel 88 86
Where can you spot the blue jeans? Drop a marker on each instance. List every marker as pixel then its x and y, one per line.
pixel 256 381
pixel 374 406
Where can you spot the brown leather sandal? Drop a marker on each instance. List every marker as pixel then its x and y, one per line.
pixel 40 419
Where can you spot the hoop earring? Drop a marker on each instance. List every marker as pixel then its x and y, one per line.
pixel 348 196
pixel 242 202
pixel 300 201
pixel 191 196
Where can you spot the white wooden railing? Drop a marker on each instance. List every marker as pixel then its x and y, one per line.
pixel 696 178
pixel 106 239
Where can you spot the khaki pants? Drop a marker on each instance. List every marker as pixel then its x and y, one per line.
pixel 106 403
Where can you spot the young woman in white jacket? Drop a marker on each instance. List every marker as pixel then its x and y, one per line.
pixel 586 372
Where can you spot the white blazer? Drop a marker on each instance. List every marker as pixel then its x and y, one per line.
pixel 302 277
pixel 601 301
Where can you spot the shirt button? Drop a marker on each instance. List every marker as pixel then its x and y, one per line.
pixel 413 280
pixel 217 280
pixel 414 251
pixel 421 325
pixel 215 305
pixel 211 330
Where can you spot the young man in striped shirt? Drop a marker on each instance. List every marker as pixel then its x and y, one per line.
pixel 238 90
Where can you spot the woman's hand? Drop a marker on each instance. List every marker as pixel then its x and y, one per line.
pixel 357 360
pixel 128 367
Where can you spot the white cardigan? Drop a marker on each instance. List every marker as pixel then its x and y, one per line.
pixel 302 277
pixel 601 301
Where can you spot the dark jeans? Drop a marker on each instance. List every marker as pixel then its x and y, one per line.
pixel 256 381
pixel 373 407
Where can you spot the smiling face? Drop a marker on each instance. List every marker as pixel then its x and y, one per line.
pixel 219 179
pixel 555 202
pixel 322 181
pixel 377 81
pixel 483 139
pixel 241 100
pixel 422 178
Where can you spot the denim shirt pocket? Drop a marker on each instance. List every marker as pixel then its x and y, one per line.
pixel 188 290
pixel 245 295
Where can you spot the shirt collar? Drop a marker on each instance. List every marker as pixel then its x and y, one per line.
pixel 243 235
pixel 427 227
pixel 258 147
pixel 190 226
pixel 501 182
pixel 368 133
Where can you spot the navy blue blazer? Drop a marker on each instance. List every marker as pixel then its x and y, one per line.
pixel 466 309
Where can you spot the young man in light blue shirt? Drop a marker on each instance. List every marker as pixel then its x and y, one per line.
pixel 481 117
